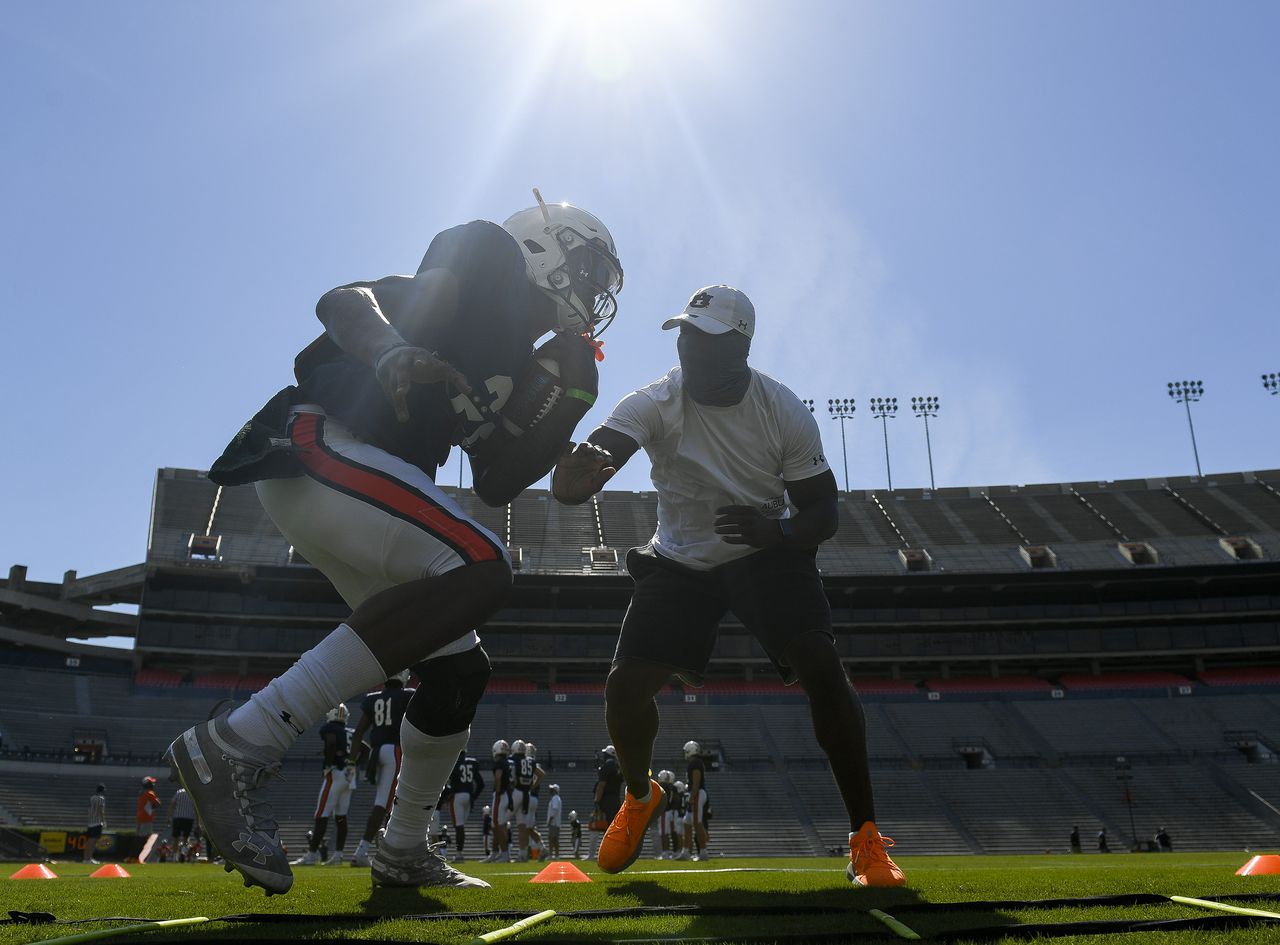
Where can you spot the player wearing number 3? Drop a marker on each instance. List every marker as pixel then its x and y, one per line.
pixel 745 497
pixel 344 463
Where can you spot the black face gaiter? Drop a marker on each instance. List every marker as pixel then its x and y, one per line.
pixel 714 366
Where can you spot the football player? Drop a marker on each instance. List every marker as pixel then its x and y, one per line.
pixel 465 785
pixel 680 803
pixel 667 846
pixel 539 775
pixel 695 834
pixel 502 778
pixel 381 715
pixel 526 773
pixel 575 835
pixel 344 462
pixel 745 497
pixel 336 788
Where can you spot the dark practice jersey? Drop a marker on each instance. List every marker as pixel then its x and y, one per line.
pixel 466 777
pixel 487 340
pixel 679 802
pixel 341 736
pixel 522 772
pixel 695 764
pixel 611 775
pixel 669 794
pixel 384 710
pixel 503 775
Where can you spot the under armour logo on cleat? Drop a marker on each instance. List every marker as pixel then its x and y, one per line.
pixel 287 719
pixel 246 843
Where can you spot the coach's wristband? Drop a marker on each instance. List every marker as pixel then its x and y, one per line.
pixel 582 395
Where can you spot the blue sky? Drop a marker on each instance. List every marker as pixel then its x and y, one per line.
pixel 1039 212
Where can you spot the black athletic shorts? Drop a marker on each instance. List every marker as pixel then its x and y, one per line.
pixel 675 611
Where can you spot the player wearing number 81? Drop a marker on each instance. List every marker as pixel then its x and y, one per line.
pixel 745 496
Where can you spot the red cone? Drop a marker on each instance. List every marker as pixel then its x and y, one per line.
pixel 561 871
pixel 1259 866
pixel 110 871
pixel 35 871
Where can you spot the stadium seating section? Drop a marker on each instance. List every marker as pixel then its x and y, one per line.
pixel 1004 770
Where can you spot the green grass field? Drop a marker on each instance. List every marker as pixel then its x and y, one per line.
pixel 806 886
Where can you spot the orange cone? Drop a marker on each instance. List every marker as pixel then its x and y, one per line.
pixel 1260 866
pixel 110 871
pixel 561 871
pixel 35 871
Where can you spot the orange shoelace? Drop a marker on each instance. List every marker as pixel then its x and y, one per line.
pixel 868 847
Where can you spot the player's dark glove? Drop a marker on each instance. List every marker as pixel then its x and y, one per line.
pixel 744 525
pixel 577 360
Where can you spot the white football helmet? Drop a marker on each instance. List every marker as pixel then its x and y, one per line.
pixel 530 751
pixel 610 751
pixel 403 676
pixel 337 714
pixel 691 749
pixel 518 747
pixel 501 748
pixel 571 256
pixel 680 786
pixel 666 777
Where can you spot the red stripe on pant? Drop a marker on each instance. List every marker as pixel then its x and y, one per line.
pixel 324 794
pixel 386 492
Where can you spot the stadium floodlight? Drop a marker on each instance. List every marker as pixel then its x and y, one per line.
pixel 885 409
pixel 926 407
pixel 842 409
pixel 1187 393
pixel 1271 383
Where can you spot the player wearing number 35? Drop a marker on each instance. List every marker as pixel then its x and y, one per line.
pixel 745 496
pixel 345 461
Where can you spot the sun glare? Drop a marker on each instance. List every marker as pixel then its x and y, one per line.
pixel 619 37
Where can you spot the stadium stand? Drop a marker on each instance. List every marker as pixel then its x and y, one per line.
pixel 999 695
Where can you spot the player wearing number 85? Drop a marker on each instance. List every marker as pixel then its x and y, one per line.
pixel 344 461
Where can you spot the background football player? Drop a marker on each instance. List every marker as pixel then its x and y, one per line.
pixel 344 463
pixel 695 831
pixel 381 714
pixel 465 785
pixel 336 788
pixel 502 782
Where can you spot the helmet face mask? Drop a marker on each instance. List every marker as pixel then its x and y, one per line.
pixel 570 255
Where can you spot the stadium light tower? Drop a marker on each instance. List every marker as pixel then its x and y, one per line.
pixel 885 409
pixel 926 407
pixel 1187 393
pixel 842 409
pixel 1271 383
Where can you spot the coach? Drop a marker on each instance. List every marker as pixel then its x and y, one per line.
pixel 745 496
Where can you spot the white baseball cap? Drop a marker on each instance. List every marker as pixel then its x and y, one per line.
pixel 717 309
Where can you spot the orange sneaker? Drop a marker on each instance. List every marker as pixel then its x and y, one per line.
pixel 869 862
pixel 624 839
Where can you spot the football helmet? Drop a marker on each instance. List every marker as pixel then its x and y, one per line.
pixel 666 777
pixel 530 751
pixel 691 749
pixel 610 751
pixel 570 255
pixel 518 747
pixel 501 749
pixel 573 815
pixel 680 786
pixel 402 677
pixel 486 809
pixel 337 714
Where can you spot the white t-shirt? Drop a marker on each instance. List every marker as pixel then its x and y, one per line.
pixel 705 457
pixel 553 810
